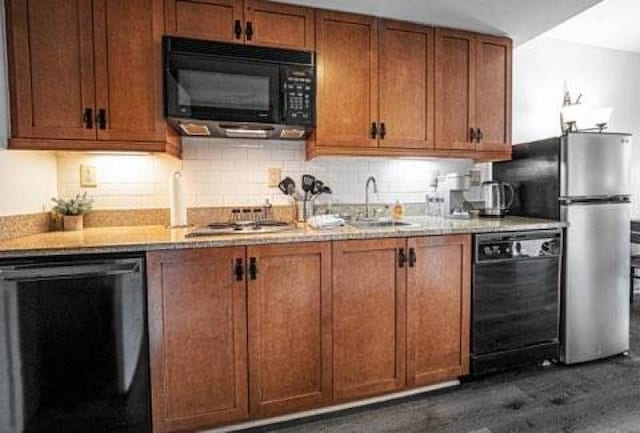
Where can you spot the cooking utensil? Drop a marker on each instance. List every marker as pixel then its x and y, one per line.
pixel 326 190
pixel 318 187
pixel 307 184
pixel 287 186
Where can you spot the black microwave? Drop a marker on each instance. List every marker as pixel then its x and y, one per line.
pixel 238 91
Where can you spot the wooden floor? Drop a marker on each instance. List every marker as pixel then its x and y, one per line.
pixel 602 397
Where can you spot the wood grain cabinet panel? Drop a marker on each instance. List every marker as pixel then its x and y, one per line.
pixel 438 308
pixel 455 89
pixel 406 85
pixel 198 345
pixel 347 102
pixel 368 318
pixel 51 64
pixel 493 93
pixel 128 36
pixel 279 25
pixel 289 328
pixel 205 19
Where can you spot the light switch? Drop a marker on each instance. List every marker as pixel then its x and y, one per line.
pixel 88 176
pixel 275 176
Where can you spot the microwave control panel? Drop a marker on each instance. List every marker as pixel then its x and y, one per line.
pixel 299 95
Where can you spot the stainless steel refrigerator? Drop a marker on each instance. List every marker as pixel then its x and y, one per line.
pixel 584 179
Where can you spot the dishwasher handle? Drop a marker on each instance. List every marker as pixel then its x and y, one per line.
pixel 69 271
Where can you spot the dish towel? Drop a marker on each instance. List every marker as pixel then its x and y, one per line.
pixel 325 222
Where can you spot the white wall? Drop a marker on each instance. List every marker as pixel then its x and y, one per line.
pixel 605 78
pixel 224 173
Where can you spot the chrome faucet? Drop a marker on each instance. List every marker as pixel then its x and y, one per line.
pixel 371 180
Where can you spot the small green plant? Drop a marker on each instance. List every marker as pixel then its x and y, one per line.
pixel 79 205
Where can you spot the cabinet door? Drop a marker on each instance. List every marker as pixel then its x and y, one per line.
pixel 198 342
pixel 347 103
pixel 406 85
pixel 51 63
pixel 455 89
pixel 289 328
pixel 279 25
pixel 205 19
pixel 368 318
pixel 438 309
pixel 493 93
pixel 128 37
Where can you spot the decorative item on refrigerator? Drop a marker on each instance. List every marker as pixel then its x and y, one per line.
pixel 177 200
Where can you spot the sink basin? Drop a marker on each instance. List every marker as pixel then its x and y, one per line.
pixel 380 224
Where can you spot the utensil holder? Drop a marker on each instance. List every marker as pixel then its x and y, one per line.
pixel 304 210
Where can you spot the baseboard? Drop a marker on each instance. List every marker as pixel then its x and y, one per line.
pixel 335 408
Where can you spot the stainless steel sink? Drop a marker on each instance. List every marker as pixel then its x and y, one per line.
pixel 380 224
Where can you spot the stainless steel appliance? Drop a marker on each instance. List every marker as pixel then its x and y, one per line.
pixel 583 178
pixel 238 91
pixel 495 199
pixel 241 228
pixel 74 346
pixel 515 299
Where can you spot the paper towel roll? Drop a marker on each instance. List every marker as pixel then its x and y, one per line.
pixel 177 200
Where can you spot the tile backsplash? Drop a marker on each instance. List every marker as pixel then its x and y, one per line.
pixel 224 173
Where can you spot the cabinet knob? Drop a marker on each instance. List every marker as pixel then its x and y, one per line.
pixel 253 268
pixel 383 130
pixel 249 30
pixel 412 257
pixel 479 135
pixel 239 270
pixel 87 118
pixel 101 118
pixel 472 135
pixel 237 29
pixel 402 258
pixel 374 130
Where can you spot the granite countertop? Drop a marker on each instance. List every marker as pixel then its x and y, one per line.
pixel 148 238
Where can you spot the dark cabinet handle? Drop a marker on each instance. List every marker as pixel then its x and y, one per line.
pixel 374 130
pixel 237 29
pixel 249 30
pixel 253 268
pixel 87 118
pixel 383 130
pixel 101 118
pixel 402 258
pixel 479 135
pixel 472 135
pixel 239 270
pixel 412 257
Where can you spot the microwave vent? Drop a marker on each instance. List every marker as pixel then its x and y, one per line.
pixel 276 55
pixel 195 129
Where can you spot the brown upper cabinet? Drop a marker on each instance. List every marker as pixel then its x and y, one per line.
pixel 382 96
pixel 86 75
pixel 473 92
pixel 242 21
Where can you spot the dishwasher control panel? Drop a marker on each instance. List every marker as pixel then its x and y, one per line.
pixel 521 245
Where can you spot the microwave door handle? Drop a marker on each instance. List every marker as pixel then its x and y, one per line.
pixel 67 272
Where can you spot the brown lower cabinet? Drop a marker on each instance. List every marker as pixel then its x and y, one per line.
pixel 242 333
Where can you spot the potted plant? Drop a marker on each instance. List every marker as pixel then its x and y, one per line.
pixel 73 210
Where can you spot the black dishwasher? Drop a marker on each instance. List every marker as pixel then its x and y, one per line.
pixel 74 346
pixel 515 299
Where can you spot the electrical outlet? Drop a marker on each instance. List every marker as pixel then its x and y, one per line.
pixel 275 176
pixel 88 176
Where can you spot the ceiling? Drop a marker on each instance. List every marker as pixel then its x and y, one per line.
pixel 519 19
pixel 609 24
